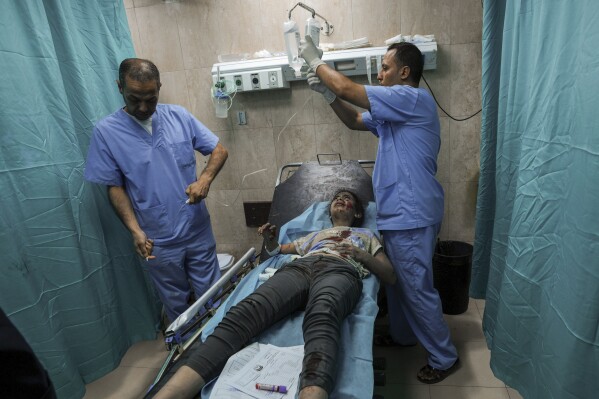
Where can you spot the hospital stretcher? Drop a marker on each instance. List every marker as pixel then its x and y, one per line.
pixel 299 206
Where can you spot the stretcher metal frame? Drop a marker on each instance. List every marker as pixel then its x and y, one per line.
pixel 184 331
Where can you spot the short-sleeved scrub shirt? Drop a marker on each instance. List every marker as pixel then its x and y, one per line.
pixel 155 169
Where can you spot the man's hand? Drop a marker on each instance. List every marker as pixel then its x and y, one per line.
pixel 310 53
pixel 143 245
pixel 316 85
pixel 198 190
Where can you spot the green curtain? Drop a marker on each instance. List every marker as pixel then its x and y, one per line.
pixel 69 279
pixel 536 251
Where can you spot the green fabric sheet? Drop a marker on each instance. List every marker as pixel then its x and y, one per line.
pixel 69 278
pixel 536 251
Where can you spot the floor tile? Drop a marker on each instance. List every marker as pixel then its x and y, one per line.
pixel 122 383
pixel 480 304
pixel 148 354
pixel 513 393
pixel 453 392
pixel 402 363
pixel 397 391
pixel 466 326
pixel 475 370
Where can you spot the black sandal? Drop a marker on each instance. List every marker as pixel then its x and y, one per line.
pixel 431 375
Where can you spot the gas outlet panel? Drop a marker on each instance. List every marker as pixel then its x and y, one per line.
pixel 254 80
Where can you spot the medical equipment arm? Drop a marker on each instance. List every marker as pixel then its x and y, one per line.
pixel 122 205
pixel 198 190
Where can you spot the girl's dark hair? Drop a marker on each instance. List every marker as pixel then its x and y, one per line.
pixel 359 208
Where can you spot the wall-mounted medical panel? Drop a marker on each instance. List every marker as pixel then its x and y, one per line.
pixel 275 73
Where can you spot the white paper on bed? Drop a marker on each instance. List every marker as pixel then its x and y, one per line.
pixel 260 363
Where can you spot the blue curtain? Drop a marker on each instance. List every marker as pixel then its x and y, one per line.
pixel 69 279
pixel 536 252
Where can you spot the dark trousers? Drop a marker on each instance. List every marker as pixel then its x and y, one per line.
pixel 327 288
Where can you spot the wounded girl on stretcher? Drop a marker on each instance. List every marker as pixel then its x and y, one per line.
pixel 326 281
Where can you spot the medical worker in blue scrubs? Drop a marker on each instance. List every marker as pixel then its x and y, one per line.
pixel 409 199
pixel 144 153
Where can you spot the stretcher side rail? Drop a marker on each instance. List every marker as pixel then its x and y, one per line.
pixel 189 320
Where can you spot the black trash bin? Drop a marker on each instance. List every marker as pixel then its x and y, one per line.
pixel 452 264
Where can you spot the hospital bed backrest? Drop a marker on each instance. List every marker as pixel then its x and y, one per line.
pixel 315 182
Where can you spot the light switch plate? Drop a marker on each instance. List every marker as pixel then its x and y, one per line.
pixel 241 118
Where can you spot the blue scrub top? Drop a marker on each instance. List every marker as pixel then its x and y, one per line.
pixel 405 120
pixel 154 169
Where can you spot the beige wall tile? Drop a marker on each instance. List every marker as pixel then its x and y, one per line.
pixel 439 17
pixel 413 17
pixel 208 28
pixel 292 107
pixel 376 20
pixel 132 20
pixel 159 36
pixel 462 209
pixel 128 3
pixel 425 18
pixel 296 144
pixel 256 151
pixel 257 107
pixel 444 233
pixel 199 84
pixel 439 80
pixel 258 194
pixel 336 138
pixel 228 178
pixel 465 150
pixel 368 145
pixel 323 113
pixel 466 21
pixel 466 79
pixel 174 88
pixel 225 208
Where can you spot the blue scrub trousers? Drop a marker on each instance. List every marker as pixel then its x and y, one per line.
pixel 182 269
pixel 415 312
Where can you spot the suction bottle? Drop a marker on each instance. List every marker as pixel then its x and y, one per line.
pixel 313 29
pixel 292 43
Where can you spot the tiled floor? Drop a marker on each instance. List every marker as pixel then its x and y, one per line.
pixel 474 380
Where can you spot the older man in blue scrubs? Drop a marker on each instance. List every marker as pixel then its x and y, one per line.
pixel 144 153
pixel 409 198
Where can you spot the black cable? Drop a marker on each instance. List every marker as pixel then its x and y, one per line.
pixel 445 112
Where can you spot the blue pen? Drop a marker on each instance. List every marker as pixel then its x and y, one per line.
pixel 272 388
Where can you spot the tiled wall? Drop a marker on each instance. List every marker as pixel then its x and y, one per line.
pixel 185 37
